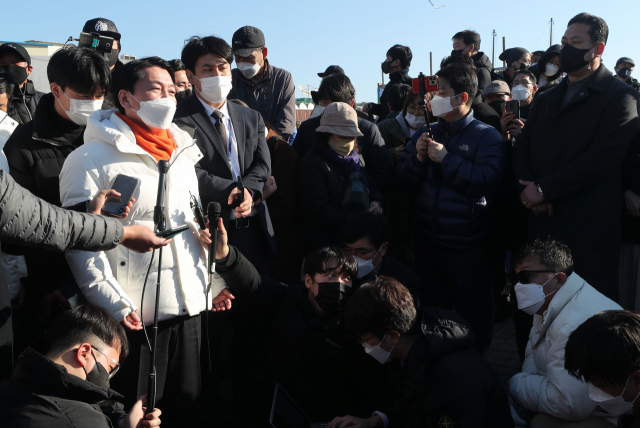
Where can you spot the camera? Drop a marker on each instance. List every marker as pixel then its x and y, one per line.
pixel 96 42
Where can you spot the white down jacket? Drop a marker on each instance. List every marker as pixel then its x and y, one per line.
pixel 544 385
pixel 114 279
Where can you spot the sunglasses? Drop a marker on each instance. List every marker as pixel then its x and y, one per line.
pixel 524 276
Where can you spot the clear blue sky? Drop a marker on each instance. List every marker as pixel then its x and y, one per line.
pixel 305 37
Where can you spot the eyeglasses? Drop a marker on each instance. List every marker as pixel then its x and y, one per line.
pixel 363 341
pixel 360 253
pixel 524 276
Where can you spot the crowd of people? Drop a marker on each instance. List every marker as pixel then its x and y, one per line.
pixel 360 258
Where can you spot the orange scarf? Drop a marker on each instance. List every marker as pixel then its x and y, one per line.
pixel 159 145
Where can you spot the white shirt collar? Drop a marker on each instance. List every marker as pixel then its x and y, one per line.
pixel 224 110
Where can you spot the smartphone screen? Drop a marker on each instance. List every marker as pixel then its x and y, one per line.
pixel 126 186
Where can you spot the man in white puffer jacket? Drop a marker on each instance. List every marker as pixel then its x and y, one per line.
pixel 559 300
pixel 131 141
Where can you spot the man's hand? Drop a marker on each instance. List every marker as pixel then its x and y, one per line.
pixel 422 146
pixel 375 208
pixel 530 196
pixel 141 239
pixel 205 236
pixel 222 246
pixel 52 298
pixel 110 195
pixel 398 151
pixel 366 108
pixel 222 301
pixel 137 418
pixel 542 208
pixel 244 209
pixel 510 128
pixel 436 151
pixel 632 202
pixel 352 421
pixel 132 321
pixel 269 187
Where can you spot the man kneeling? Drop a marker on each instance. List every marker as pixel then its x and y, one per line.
pixel 444 380
pixel 69 385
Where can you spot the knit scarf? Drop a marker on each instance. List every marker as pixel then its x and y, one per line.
pixel 159 145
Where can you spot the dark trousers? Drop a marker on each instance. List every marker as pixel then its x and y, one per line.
pixel 177 371
pixel 460 280
pixel 252 243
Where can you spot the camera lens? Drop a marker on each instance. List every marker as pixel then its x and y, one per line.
pixel 121 211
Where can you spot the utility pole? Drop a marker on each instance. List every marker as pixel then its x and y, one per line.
pixel 430 63
pixel 504 48
pixel 551 33
pixel 493 50
pixel 383 77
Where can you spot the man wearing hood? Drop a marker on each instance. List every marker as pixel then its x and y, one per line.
pixel 16 63
pixel 444 381
pixel 548 69
pixel 467 43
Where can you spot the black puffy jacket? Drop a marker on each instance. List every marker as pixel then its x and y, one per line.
pixel 445 382
pixel 483 71
pixel 42 393
pixel 23 106
pixel 396 78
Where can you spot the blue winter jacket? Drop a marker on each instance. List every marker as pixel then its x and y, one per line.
pixel 454 198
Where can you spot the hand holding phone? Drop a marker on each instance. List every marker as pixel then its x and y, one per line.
pixel 126 186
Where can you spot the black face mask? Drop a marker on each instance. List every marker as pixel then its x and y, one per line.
pixel 111 57
pixel 624 73
pixel 572 58
pixel 98 375
pixel 16 73
pixel 386 67
pixel 183 95
pixel 456 52
pixel 523 66
pixel 498 106
pixel 333 295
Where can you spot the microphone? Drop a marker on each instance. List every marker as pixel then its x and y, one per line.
pixel 158 215
pixel 213 212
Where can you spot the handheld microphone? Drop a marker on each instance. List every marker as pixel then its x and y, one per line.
pixel 213 212
pixel 158 215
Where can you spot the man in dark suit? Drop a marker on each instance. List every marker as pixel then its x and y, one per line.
pixel 232 140
pixel 338 88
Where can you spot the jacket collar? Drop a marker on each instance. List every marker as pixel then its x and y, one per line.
pixel 28 92
pixel 449 129
pixel 49 127
pixel 266 76
pixel 44 377
pixel 598 81
pixel 399 75
pixel 563 296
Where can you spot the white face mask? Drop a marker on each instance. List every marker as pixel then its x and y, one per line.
pixel 80 110
pixel 249 70
pixel 317 111
pixel 365 267
pixel 520 93
pixel 215 89
pixel 550 70
pixel 531 296
pixel 615 406
pixel 415 122
pixel 441 106
pixel 156 114
pixel 379 354
pixel 7 126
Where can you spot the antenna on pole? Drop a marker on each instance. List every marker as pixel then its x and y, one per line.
pixel 551 33
pixel 504 48
pixel 307 91
pixel 493 50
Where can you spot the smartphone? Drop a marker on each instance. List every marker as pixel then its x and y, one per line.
pixel 514 107
pixel 96 42
pixel 170 233
pixel 430 84
pixel 126 186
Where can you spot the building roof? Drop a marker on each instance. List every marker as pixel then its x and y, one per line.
pixel 34 43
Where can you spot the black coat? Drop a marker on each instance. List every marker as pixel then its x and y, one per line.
pixel 631 181
pixel 215 180
pixel 36 153
pixel 42 393
pixel 313 357
pixel 483 71
pixel 575 153
pixel 370 146
pixel 445 382
pixel 396 78
pixel 486 114
pixel 23 106
pixel 321 189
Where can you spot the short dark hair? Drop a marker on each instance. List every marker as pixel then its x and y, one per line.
pixel 605 349
pixel 176 65
pixel 6 86
pixel 86 323
pixel 598 28
pixel 134 71
pixel 540 53
pixel 365 225
pixel 196 47
pixel 381 306
pixel 397 95
pixel 528 73
pixel 337 88
pixel 469 38
pixel 316 261
pixel 458 59
pixel 462 79
pixel 549 252
pixel 403 53
pixel 81 69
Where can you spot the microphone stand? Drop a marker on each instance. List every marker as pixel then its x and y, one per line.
pixel 159 221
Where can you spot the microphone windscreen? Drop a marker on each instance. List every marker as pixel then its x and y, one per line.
pixel 213 210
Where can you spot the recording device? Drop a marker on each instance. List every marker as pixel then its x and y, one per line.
pixel 430 84
pixel 422 90
pixel 213 212
pixel 96 42
pixel 241 223
pixel 513 107
pixel 170 233
pixel 126 186
pixel 197 212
